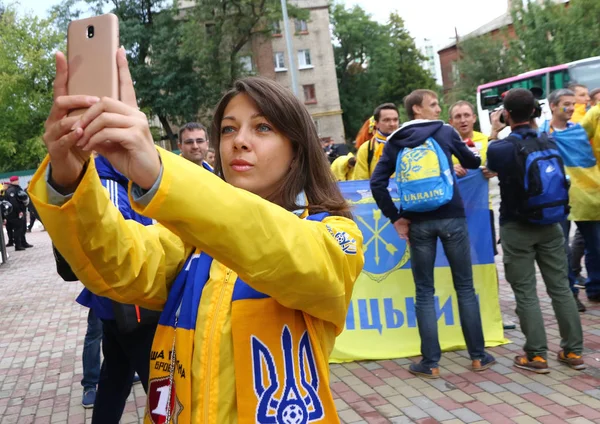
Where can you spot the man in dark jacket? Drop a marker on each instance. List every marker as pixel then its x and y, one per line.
pixel 423 229
pixel 525 243
pixel 126 331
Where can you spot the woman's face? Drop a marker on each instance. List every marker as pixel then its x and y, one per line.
pixel 254 155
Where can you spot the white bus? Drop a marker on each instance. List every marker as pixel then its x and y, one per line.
pixel 546 80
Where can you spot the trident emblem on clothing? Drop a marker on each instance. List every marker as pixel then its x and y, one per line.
pixel 299 403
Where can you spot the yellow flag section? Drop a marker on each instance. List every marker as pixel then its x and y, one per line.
pixel 381 321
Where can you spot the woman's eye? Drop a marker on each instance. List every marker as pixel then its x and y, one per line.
pixel 227 130
pixel 263 128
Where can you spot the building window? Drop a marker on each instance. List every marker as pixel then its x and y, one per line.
pixel 304 61
pixel 246 62
pixel 301 26
pixel 280 62
pixel 310 96
pixel 276 31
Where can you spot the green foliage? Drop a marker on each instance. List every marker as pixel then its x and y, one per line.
pixel 551 34
pixel 375 63
pixel 484 59
pixel 26 75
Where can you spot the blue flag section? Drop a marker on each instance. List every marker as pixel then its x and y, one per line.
pixel 381 321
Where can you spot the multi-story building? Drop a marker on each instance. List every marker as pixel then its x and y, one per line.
pixel 314 61
pixel 431 62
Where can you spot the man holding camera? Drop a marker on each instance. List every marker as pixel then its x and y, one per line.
pixel 530 232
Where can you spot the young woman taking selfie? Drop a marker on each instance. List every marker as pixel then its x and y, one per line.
pixel 253 267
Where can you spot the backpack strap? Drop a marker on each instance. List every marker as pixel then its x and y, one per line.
pixel 370 153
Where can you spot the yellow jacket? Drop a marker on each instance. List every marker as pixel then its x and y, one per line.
pixel 341 170
pixel 579 113
pixel 363 170
pixel 591 124
pixel 304 268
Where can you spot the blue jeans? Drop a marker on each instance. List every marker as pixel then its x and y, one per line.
pixel 454 235
pixel 91 352
pixel 590 230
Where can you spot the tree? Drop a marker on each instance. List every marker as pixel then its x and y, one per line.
pixel 26 76
pixel 375 63
pixel 356 38
pixel 551 33
pixel 399 64
pixel 483 59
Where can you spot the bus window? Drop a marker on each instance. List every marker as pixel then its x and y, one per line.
pixel 559 79
pixel 488 95
pixel 587 73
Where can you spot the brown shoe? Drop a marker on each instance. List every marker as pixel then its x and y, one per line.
pixel 572 360
pixel 537 364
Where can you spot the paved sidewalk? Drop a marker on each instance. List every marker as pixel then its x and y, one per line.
pixel 41 339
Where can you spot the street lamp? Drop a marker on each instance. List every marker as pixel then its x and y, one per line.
pixel 290 50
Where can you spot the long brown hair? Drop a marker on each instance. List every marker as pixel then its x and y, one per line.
pixel 310 171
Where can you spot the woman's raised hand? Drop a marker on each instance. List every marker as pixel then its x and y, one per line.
pixel 66 158
pixel 115 129
pixel 119 131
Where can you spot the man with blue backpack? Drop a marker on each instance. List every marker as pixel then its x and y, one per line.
pixel 582 168
pixel 431 208
pixel 534 193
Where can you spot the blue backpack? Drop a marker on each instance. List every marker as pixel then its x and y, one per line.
pixel 424 178
pixel 541 171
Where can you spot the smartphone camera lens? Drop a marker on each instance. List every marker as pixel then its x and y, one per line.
pixel 90 31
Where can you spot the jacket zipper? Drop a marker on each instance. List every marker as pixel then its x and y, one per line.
pixel 210 345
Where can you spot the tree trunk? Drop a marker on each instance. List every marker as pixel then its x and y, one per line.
pixel 172 137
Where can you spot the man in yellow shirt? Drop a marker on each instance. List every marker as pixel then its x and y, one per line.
pixel 386 122
pixel 462 118
pixel 582 101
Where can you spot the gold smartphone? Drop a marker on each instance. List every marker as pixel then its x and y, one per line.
pixel 92 45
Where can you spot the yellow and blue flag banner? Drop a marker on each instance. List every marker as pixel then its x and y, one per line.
pixel 582 168
pixel 381 321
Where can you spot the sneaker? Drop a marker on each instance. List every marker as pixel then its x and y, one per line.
pixel 136 379
pixel 88 399
pixel 580 306
pixel 422 371
pixel 537 364
pixel 572 360
pixel 483 364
